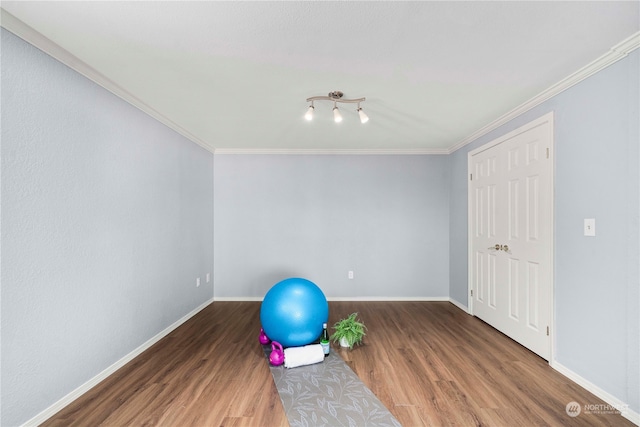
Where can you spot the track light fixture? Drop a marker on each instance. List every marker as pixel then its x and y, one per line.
pixel 363 117
pixel 309 115
pixel 337 117
pixel 336 96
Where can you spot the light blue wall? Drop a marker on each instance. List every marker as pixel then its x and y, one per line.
pixel 384 217
pixel 106 223
pixel 597 279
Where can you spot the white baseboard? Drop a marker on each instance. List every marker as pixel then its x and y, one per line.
pixel 69 398
pixel 626 412
pixel 623 407
pixel 345 298
pixel 459 305
pixel 240 299
pixel 388 299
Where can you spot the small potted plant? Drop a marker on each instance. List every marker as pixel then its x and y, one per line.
pixel 349 331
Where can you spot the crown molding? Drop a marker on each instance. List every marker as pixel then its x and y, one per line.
pixel 28 34
pixel 33 37
pixel 331 151
pixel 615 54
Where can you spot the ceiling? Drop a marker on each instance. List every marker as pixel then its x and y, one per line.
pixel 235 75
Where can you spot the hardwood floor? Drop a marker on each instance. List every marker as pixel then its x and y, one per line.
pixel 430 363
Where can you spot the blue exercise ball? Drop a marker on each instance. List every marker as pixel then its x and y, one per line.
pixel 293 311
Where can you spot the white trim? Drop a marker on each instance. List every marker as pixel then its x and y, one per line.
pixel 69 398
pixel 540 121
pixel 223 299
pixel 626 412
pixel 615 54
pixel 548 117
pixel 22 30
pixel 31 36
pixel 333 151
pixel 361 298
pixel 459 305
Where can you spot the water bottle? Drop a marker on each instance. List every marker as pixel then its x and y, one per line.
pixel 324 340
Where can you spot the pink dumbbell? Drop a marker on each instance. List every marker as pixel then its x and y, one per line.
pixel 264 339
pixel 277 354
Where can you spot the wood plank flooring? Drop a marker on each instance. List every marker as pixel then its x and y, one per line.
pixel 430 363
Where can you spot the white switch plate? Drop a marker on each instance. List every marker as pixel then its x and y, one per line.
pixel 208 277
pixel 350 274
pixel 197 282
pixel 590 227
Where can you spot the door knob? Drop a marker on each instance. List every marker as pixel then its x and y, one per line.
pixel 499 247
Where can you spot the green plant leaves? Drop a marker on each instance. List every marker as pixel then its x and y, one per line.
pixel 351 329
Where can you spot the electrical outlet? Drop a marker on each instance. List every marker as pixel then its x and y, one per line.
pixel 197 282
pixel 590 227
pixel 208 277
pixel 350 275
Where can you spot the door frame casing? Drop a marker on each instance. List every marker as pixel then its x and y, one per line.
pixel 547 119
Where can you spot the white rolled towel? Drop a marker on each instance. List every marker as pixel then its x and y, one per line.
pixel 301 356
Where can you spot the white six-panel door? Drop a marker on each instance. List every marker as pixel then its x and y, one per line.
pixel 511 234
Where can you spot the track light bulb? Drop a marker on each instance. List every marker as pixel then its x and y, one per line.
pixel 337 117
pixel 309 115
pixel 363 116
pixel 336 97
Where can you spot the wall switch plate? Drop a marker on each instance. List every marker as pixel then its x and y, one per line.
pixel 350 274
pixel 208 277
pixel 590 227
pixel 197 282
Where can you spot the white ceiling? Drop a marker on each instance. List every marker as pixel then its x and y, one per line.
pixel 235 75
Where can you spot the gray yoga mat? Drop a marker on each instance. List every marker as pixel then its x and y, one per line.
pixel 328 394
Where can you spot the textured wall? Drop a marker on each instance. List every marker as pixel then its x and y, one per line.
pixel 596 176
pixel 384 217
pixel 106 223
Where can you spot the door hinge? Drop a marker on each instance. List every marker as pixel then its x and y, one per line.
pixel 547 331
pixel 547 152
pixel 471 292
pixel 470 177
